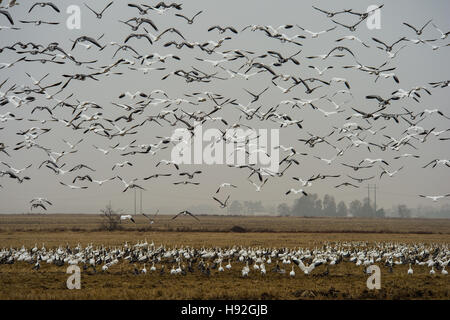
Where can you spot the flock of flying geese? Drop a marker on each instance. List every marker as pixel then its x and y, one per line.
pixel 48 99
pixel 212 261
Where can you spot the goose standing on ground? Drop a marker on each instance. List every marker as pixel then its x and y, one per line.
pixel 292 273
pixel 444 272
pixel 245 270
pixel 410 270
pixel 432 270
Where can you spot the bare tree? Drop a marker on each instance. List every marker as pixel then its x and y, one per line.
pixel 111 219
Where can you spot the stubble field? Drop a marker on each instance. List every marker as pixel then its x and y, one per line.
pixel 343 281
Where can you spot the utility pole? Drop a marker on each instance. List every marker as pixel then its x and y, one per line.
pixel 134 201
pixel 375 202
pixel 141 203
pixel 375 191
pixel 374 188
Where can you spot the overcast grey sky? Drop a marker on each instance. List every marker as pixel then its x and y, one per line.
pixel 416 65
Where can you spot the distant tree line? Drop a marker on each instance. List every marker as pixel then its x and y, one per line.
pixel 246 207
pixel 314 206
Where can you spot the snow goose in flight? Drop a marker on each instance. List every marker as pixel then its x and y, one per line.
pixel 132 95
pixel 167 162
pixel 306 270
pixel 186 182
pixel 436 162
pixel 72 146
pixel 305 183
pixel 127 217
pixel 346 184
pixel 321 72
pixel 390 174
pixel 406 155
pixel 327 161
pixel 388 48
pixel 185 213
pixel 351 37
pixel 388 75
pixel 72 187
pixel 101 182
pixel 141 10
pixel 418 31
pixel 332 14
pixel 222 204
pixel 329 113
pixel 152 220
pixel 124 147
pixel 371 161
pixel 190 175
pixel 316 34
pixel 189 20
pixel 104 151
pixel 99 14
pixel 40 200
pixel 81 166
pixel 334 79
pixel 443 35
pixel 16 171
pixel 361 180
pixel 296 191
pixel 222 29
pixel 38 205
pixel 285 90
pixel 130 185
pixel 258 188
pixel 122 164
pixel 435 198
pixel 225 184
pixel 124 131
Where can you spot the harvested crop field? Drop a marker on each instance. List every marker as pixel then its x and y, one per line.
pixel 345 280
